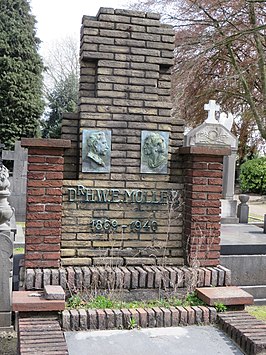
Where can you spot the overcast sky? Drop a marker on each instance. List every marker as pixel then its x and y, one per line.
pixel 57 19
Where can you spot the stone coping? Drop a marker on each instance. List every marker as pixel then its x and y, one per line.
pixel 245 330
pixel 128 278
pixel 45 143
pixel 91 319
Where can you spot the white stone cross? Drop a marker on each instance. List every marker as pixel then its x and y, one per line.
pixel 211 107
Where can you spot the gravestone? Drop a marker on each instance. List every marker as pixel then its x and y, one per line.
pixel 6 251
pixel 215 132
pixel 18 180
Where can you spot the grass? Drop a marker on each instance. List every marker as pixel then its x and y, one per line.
pixel 19 250
pixel 101 302
pixel 257 311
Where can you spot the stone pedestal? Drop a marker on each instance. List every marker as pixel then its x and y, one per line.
pixel 6 268
pixel 228 214
pixel 243 209
pixel 6 252
pixel 228 204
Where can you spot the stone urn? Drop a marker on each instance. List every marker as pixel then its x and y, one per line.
pixel 6 211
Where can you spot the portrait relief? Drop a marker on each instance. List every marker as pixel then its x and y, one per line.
pixel 154 152
pixel 96 151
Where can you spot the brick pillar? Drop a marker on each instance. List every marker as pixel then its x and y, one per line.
pixel 44 201
pixel 203 168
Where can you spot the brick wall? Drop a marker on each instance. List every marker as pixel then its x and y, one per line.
pixel 202 193
pixel 125 83
pixel 44 201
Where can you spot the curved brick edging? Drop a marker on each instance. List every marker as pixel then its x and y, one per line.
pixel 131 277
pixel 245 330
pixel 145 318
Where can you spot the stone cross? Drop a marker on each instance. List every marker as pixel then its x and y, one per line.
pixel 211 107
pixel 1 153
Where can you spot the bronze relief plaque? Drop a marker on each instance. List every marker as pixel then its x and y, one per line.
pixel 154 152
pixel 96 151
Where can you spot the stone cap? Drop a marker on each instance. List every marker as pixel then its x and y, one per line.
pixel 54 292
pixel 229 296
pixel 205 150
pixel 45 143
pixel 32 301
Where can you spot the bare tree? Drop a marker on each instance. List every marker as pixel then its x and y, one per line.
pixel 220 53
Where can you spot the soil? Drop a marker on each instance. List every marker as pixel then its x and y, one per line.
pixel 8 343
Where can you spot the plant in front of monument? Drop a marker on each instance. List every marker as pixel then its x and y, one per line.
pixel 21 67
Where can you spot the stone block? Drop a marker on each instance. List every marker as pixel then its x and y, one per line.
pixel 83 319
pixel 66 320
pixel 143 317
pixel 5 320
pixel 118 318
pixel 229 296
pixel 92 319
pixel 151 317
pixel 101 316
pixel 110 319
pixel 175 316
pixel 183 315
pixel 126 315
pixel 74 319
pixel 28 301
pixel 52 292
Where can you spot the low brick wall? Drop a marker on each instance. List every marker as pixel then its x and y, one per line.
pixel 146 277
pixel 145 318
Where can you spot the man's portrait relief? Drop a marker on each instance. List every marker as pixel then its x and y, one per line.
pixel 96 151
pixel 154 152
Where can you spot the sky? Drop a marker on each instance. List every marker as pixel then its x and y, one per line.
pixel 58 19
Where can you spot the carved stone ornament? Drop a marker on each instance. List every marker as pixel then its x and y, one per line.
pixel 6 211
pixel 210 134
pixel 96 151
pixel 154 152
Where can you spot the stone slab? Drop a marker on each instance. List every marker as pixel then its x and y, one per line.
pixel 229 296
pixel 54 292
pixel 28 301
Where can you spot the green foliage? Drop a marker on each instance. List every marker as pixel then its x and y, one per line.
pixel 75 301
pixel 193 300
pixel 101 302
pixel 253 176
pixel 63 98
pixel 220 307
pixel 132 323
pixel 21 68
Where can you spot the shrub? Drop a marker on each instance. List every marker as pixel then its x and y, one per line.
pixel 253 176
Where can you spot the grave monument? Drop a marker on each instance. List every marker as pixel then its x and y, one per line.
pixel 118 197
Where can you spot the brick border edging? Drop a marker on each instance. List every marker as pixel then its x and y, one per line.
pixel 101 319
pixel 37 334
pixel 245 330
pixel 147 277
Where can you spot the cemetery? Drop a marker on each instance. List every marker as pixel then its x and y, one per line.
pixel 128 207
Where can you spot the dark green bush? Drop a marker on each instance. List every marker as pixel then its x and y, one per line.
pixel 253 176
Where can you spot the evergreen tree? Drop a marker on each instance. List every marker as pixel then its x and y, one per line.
pixel 21 68
pixel 62 98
